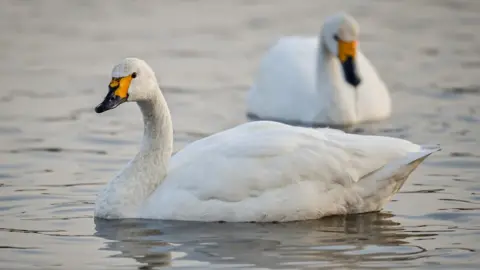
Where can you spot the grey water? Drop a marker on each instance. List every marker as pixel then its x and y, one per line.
pixel 56 153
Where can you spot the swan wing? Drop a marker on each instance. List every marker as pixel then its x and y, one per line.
pixel 262 156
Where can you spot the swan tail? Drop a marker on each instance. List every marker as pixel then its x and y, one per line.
pixel 378 187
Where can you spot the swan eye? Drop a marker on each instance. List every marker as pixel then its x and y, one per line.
pixel 336 37
pixel 134 75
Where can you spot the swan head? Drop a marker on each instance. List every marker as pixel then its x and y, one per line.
pixel 132 80
pixel 339 35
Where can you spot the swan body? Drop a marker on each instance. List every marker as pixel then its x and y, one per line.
pixel 302 80
pixel 259 171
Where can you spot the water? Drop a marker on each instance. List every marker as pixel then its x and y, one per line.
pixel 56 153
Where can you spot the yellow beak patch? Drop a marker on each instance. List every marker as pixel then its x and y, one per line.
pixel 346 49
pixel 120 85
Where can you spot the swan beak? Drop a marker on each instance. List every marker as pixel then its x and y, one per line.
pixel 117 94
pixel 347 52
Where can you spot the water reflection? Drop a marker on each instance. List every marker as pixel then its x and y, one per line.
pixel 55 153
pixel 334 241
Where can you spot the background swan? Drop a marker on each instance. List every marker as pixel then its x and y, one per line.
pixel 259 171
pixel 319 81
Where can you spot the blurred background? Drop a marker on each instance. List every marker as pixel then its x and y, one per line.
pixel 56 153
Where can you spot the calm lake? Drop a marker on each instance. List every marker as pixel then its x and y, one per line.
pixel 56 153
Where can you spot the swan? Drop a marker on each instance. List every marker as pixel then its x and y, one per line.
pixel 319 81
pixel 261 171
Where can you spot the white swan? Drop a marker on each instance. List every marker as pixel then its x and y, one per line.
pixel 259 171
pixel 319 81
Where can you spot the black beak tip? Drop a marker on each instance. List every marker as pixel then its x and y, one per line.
pixel 350 72
pixel 110 102
pixel 356 83
pixel 99 109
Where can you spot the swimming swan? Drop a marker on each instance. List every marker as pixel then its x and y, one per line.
pixel 259 171
pixel 317 81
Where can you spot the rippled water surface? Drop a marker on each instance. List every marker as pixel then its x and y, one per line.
pixel 56 153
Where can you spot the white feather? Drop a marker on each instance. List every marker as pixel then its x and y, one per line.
pixel 259 171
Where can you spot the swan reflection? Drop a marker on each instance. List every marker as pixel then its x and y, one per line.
pixel 335 241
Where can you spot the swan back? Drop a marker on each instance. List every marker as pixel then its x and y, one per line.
pixel 265 171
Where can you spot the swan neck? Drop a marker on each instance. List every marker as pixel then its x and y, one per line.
pixel 158 131
pixel 123 196
pixel 325 63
